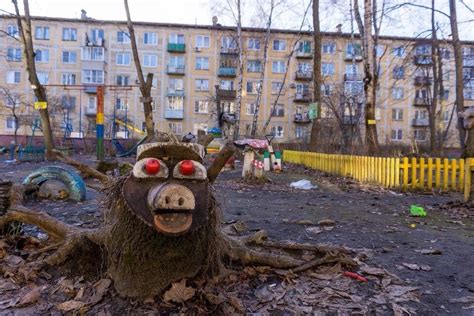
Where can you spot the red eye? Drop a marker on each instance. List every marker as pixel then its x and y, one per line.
pixel 152 166
pixel 187 168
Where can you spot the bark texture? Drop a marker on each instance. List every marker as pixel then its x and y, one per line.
pixel 316 126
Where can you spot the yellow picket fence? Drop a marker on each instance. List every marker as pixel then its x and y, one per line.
pixel 404 173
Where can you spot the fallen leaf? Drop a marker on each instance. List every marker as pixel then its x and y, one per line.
pixel 70 305
pixel 373 271
pixel 179 292
pixel 429 251
pixel 31 297
pixel 314 230
pixel 411 266
pixel 13 261
pixel 100 288
pixel 465 299
pixel 215 299
pixel 425 267
pixel 236 303
pixel 80 294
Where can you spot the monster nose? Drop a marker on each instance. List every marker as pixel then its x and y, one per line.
pixel 171 197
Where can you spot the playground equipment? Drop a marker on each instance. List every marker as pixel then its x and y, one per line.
pixel 122 152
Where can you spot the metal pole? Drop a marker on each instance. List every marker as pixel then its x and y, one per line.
pixel 218 106
pixel 100 123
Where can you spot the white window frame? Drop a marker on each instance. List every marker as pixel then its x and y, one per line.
pixel 203 41
pixel 123 37
pixel 13 77
pixel 10 120
pixel 281 45
pixel 252 65
pixel 150 60
pixel 93 53
pixel 150 38
pixel 398 132
pixel 176 39
pixel 328 48
pixel 397 114
pixel 327 69
pixel 120 80
pixel 43 77
pixel 14 54
pixel 69 34
pixel 250 108
pixel 278 131
pixel 123 59
pixel 69 53
pixel 199 84
pixel 96 76
pixel 42 33
pixel 253 44
pixel 202 63
pixel 201 106
pixel 278 66
pixel 398 93
pixel 68 78
pixel 43 54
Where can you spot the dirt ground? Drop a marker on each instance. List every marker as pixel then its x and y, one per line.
pixel 434 254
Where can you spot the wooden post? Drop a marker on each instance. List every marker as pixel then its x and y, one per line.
pixel 247 169
pixel 468 178
pixel 100 123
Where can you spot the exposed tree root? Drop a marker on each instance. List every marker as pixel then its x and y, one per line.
pixel 86 170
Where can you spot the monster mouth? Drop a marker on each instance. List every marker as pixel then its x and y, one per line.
pixel 173 222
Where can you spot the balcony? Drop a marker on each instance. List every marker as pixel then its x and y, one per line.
pixel 302 118
pixel 90 112
pixel 227 72
pixel 423 80
pixel 176 48
pixel 175 70
pixel 302 97
pixel 173 114
pixel 304 75
pixel 419 122
pixel 421 102
pixel 97 42
pixel 350 56
pixel 229 50
pixel 170 92
pixel 304 54
pixel 352 77
pixel 90 89
pixel 227 94
pixel 423 60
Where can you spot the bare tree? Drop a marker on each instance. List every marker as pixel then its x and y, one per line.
pixel 369 56
pixel 315 128
pixel 145 84
pixel 466 137
pixel 24 28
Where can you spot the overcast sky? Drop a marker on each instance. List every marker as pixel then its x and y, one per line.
pixel 405 22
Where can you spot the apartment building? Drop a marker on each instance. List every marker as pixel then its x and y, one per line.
pixel 192 64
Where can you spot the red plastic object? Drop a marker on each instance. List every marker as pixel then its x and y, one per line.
pixel 355 276
pixel 187 168
pixel 152 166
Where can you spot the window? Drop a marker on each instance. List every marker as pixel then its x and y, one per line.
pixel 352 70
pixel 445 53
pixel 250 109
pixel 68 102
pixel 176 61
pixel 42 33
pixel 12 100
pixel 13 54
pixel 277 131
pixel 379 50
pixel 201 106
pixel 252 87
pixel 327 69
pixel 353 50
pixel 69 34
pixel 228 107
pixel 329 48
pixel 68 78
pixel 399 51
pixel 202 63
pixel 326 89
pixel 397 93
pixel 276 87
pixel 279 45
pixel 301 132
pixel 69 57
pixel 122 59
pixel 227 85
pixel 176 127
pixel 397 134
pixel 92 76
pixel 279 110
pixel 397 114
pixel 253 44
pixel 120 104
pixel 175 84
pixel 302 89
pixel 176 39
pixel 42 55
pixel 228 43
pixel 469 93
pixel 398 72
pixel 468 73
pixel 419 135
pixel 150 60
pixel 122 80
pixel 353 87
pixel 11 123
pixel 13 77
pixel 254 65
pixel 93 53
pixel 43 77
pixel 123 37
pixel 421 115
pixel 202 41
pixel 444 95
pixel 424 49
pixel 303 47
pixel 97 36
pixel 175 103
pixel 202 84
pixel 278 66
pixel 150 38
pixel 12 30
pixel 304 68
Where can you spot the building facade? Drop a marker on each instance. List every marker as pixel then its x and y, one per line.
pixel 192 64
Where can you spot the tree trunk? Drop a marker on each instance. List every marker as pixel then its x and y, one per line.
pixel 317 80
pixel 241 71
pixel 435 59
pixel 466 138
pixel 145 85
pixel 258 100
pixel 38 89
